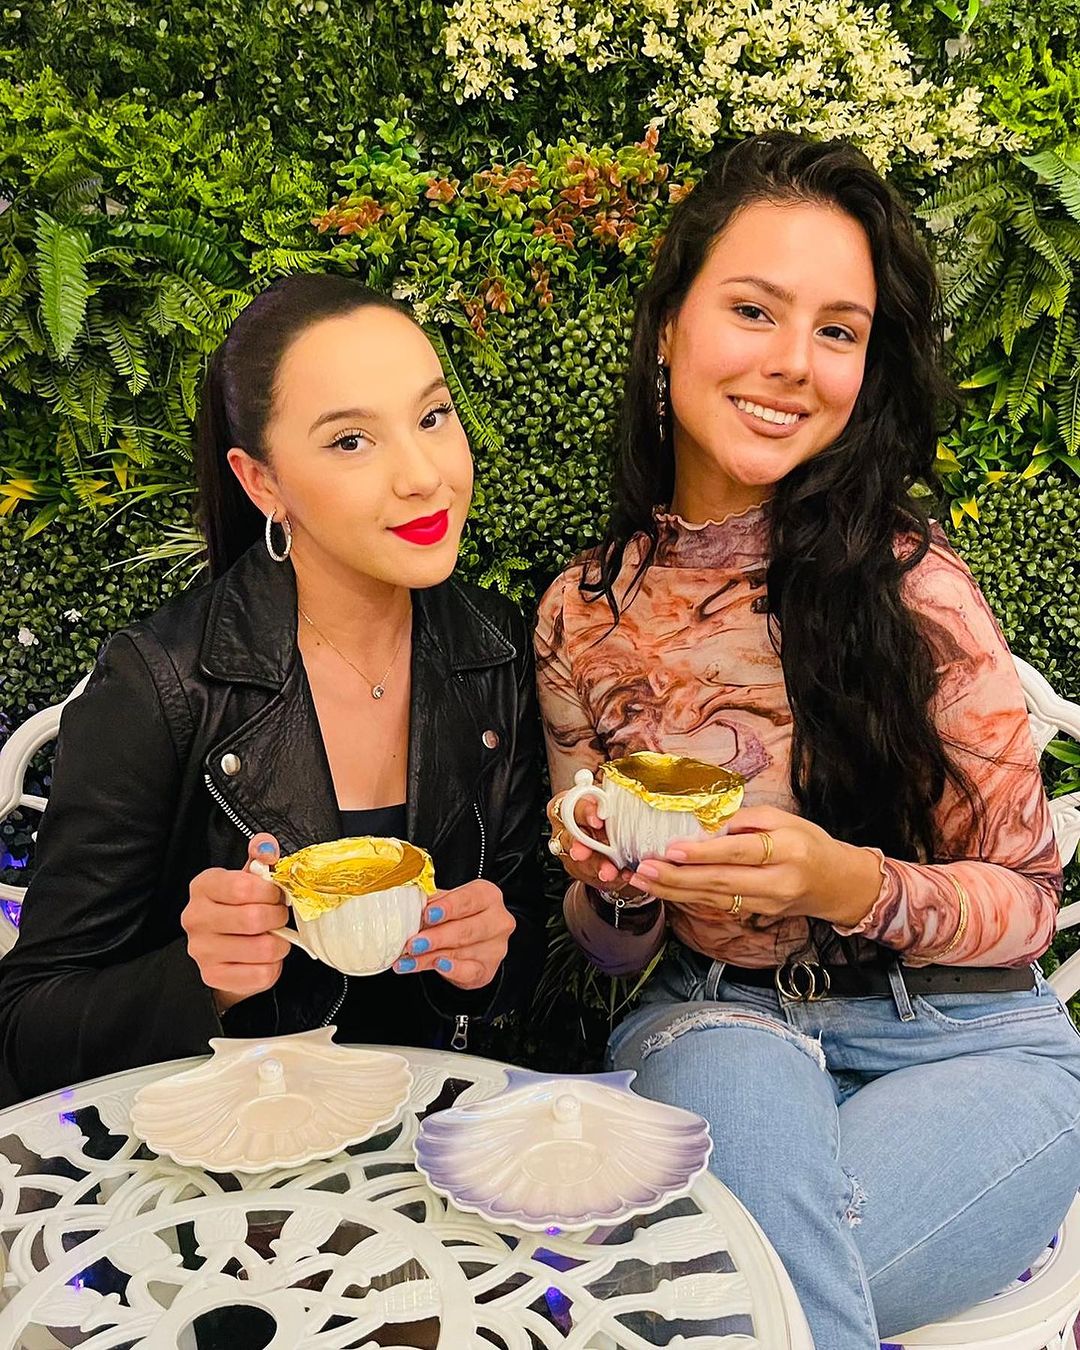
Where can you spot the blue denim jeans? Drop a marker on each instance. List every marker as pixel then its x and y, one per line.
pixel 906 1156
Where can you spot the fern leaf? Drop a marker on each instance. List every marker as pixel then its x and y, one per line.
pixel 1064 351
pixel 96 386
pixel 968 282
pixel 79 191
pixel 12 351
pixel 67 445
pixel 479 428
pixel 1066 237
pixel 164 312
pixel 191 253
pixel 1027 226
pixel 188 378
pixel 982 187
pixel 62 252
pixel 1029 373
pixel 1062 173
pixel 18 268
pixel 1067 407
pixel 1014 298
pixel 276 260
pixel 126 348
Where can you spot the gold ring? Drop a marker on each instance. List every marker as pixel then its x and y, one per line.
pixel 767 845
pixel 736 904
pixel 555 845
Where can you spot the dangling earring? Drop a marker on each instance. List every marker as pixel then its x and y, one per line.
pixel 287 530
pixel 661 395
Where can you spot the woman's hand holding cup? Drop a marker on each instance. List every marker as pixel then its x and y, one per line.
pixel 464 936
pixel 229 920
pixel 581 862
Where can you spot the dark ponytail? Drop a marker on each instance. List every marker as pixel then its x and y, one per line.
pixel 238 393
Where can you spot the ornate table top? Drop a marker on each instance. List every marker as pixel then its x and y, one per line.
pixel 110 1247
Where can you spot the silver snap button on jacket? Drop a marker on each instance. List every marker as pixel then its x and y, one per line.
pixel 230 764
pixel 491 739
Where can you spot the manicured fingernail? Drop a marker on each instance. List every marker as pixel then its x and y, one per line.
pixel 436 914
pixel 676 854
pixel 266 848
pixel 418 946
pixel 606 872
pixel 648 869
pixel 405 965
pixel 444 964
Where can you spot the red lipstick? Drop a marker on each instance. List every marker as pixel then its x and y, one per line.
pixel 424 529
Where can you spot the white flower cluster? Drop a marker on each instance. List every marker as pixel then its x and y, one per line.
pixel 828 68
pixel 484 39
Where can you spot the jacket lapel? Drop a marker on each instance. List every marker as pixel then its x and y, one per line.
pixel 281 778
pixel 452 645
pixel 272 770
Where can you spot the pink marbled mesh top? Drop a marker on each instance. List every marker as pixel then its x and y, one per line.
pixel 690 670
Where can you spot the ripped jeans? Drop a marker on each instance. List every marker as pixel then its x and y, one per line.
pixel 907 1157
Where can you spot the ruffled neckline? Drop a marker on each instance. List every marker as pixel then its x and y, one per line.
pixel 737 541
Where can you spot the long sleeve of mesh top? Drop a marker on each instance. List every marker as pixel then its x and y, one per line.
pixel 1007 866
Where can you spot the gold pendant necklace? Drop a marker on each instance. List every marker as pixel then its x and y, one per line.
pixel 377 690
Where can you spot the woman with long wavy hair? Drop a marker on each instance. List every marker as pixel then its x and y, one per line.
pixel 848 991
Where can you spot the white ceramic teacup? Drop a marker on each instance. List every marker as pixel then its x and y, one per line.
pixel 356 902
pixel 646 800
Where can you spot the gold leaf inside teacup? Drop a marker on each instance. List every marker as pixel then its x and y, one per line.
pixel 321 877
pixel 676 783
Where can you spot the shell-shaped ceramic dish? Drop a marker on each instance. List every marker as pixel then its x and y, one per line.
pixel 567 1152
pixel 258 1104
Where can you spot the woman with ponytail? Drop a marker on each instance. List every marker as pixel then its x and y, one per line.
pixel 848 991
pixel 332 679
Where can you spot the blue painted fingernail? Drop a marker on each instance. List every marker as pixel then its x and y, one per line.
pixel 435 914
pixel 406 964
pixel 418 946
pixel 266 848
pixel 444 964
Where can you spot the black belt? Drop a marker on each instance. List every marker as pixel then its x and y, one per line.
pixel 809 980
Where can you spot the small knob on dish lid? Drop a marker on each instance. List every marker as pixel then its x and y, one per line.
pixel 271 1078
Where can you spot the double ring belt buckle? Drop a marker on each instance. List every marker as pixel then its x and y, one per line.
pixel 803 982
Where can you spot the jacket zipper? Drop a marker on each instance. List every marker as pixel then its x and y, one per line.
pixel 460 1038
pixel 250 834
pixel 483 838
pixel 244 829
pixel 337 1006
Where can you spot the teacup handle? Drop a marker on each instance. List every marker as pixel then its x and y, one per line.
pixel 289 934
pixel 585 787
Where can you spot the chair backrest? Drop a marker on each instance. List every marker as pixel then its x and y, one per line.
pixel 1048 714
pixel 15 755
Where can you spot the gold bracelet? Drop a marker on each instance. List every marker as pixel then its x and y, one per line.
pixel 961 927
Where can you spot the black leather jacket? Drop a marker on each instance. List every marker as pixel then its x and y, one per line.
pixel 143 799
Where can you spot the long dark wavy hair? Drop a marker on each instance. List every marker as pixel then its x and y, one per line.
pixel 238 395
pixel 867 763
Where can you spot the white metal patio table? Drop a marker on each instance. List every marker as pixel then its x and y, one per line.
pixel 110 1247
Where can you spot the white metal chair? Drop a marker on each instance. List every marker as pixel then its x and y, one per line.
pixel 15 755
pixel 1035 1314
